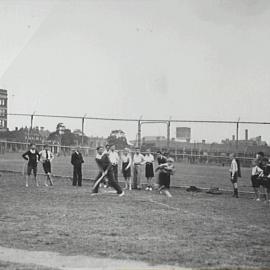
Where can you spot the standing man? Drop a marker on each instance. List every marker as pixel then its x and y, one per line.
pixel 77 161
pixel 138 160
pixel 46 157
pixel 105 170
pixel 114 159
pixel 234 175
pixel 32 156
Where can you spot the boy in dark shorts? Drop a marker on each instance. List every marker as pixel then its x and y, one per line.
pixel 46 157
pixel 257 174
pixel 256 177
pixel 234 170
pixel 165 171
pixel 32 156
pixel 126 168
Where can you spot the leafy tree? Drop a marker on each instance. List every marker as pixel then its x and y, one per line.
pixel 118 138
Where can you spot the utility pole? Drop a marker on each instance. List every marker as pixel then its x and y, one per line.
pixel 168 135
pixel 82 138
pixel 139 133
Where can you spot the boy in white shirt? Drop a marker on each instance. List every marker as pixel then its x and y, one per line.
pixel 46 157
pixel 234 175
pixel 149 168
pixel 114 159
pixel 138 160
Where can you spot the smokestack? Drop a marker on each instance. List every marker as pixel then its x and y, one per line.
pixel 246 134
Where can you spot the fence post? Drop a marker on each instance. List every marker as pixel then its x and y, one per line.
pixel 82 131
pixel 168 135
pixel 237 136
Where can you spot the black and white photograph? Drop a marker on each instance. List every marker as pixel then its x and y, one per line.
pixel 134 134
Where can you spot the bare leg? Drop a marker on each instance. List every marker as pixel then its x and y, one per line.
pixel 235 186
pixel 150 183
pixel 257 194
pixel 126 183
pixel 36 180
pixel 46 181
pixel 130 183
pixel 27 181
pixel 50 179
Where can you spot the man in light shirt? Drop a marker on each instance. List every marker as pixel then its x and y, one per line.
pixel 46 157
pixel 138 160
pixel 234 174
pixel 114 159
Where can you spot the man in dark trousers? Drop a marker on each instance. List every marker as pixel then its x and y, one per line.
pixel 105 169
pixel 76 161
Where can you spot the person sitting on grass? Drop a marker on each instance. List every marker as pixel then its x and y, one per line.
pixel 105 169
pixel 32 156
pixel 165 171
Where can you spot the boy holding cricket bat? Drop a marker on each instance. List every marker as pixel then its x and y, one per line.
pixel 165 171
pixel 105 169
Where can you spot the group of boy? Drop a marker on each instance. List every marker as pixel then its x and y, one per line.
pixel 107 160
pixel 260 176
pixel 33 157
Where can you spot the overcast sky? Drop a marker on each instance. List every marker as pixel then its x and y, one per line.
pixel 124 58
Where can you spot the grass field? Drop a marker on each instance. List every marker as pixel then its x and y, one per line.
pixel 190 230
pixel 186 174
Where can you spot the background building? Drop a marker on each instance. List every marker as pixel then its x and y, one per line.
pixel 183 134
pixel 3 110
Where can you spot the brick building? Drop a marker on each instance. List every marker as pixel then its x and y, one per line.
pixel 3 110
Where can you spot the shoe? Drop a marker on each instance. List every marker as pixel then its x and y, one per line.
pixel 26 185
pixel 46 185
pixel 121 194
pixel 150 189
pixel 147 188
pixel 258 200
pixel 94 193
